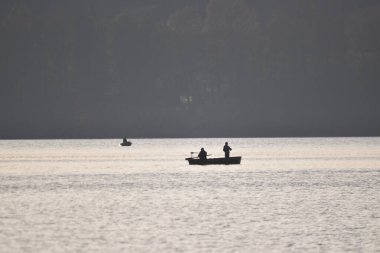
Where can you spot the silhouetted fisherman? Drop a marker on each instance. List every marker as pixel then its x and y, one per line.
pixel 202 154
pixel 226 150
pixel 125 140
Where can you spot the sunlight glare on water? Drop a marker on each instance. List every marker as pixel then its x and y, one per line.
pixel 288 195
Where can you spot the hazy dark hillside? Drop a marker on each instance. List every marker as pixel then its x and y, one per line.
pixel 179 68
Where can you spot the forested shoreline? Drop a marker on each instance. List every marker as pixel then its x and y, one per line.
pixel 103 69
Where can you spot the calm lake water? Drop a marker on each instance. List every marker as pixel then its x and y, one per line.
pixel 288 195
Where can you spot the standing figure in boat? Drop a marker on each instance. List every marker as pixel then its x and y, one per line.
pixel 202 154
pixel 226 150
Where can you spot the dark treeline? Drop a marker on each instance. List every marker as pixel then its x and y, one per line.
pixel 180 68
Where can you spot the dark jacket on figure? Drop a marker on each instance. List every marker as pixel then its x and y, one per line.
pixel 202 154
pixel 227 150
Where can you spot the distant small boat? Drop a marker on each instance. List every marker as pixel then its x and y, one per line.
pixel 125 142
pixel 128 143
pixel 221 160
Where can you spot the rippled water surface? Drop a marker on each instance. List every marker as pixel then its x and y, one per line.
pixel 288 195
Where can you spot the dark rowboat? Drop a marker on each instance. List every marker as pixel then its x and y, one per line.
pixel 128 143
pixel 222 160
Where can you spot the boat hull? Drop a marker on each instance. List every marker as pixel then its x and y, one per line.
pixel 222 160
pixel 128 143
